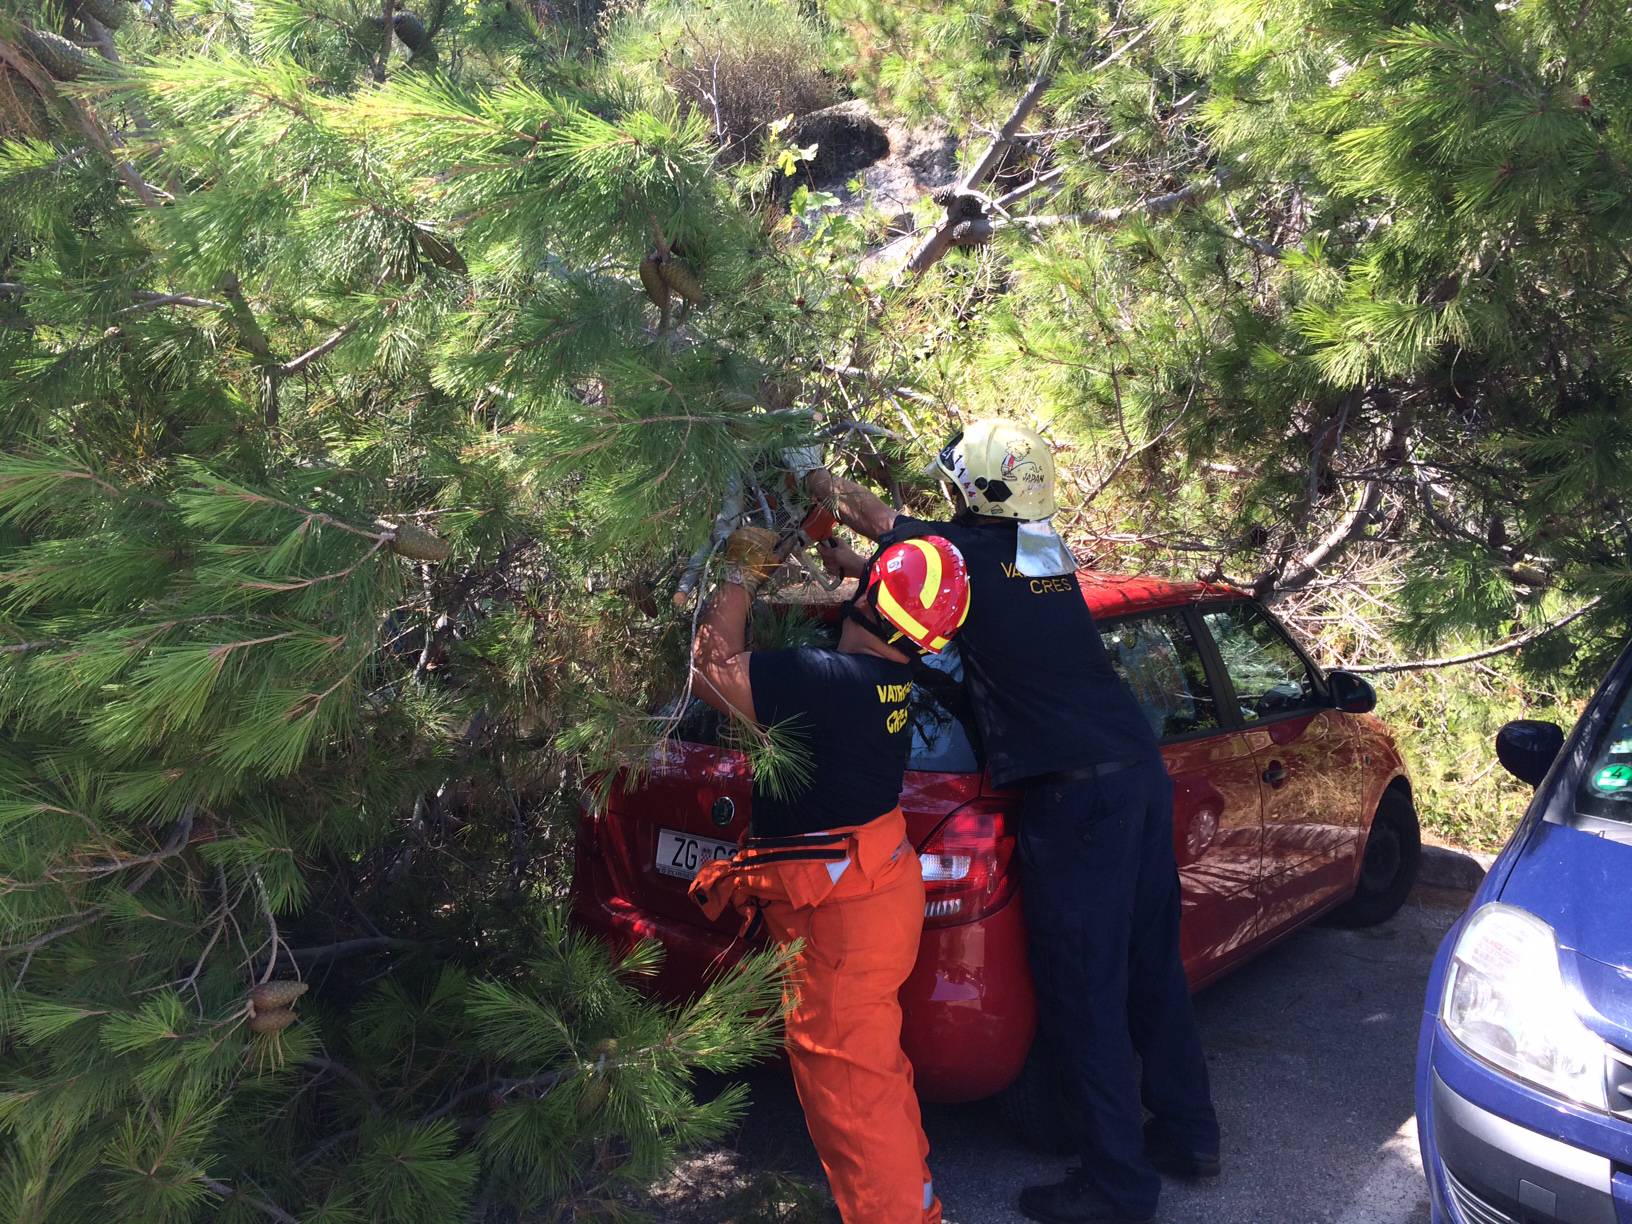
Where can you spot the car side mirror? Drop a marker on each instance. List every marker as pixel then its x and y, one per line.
pixel 1527 748
pixel 1351 693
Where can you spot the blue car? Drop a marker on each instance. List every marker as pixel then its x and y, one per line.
pixel 1524 1066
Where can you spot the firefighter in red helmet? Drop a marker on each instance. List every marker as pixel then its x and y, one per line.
pixel 830 864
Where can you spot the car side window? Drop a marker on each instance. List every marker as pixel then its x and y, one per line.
pixel 1157 656
pixel 1268 674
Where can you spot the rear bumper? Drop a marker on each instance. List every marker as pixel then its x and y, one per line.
pixel 968 1013
pixel 1498 1152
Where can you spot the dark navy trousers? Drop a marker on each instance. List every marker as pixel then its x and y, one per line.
pixel 1101 894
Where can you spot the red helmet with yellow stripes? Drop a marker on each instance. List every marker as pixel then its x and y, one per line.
pixel 921 587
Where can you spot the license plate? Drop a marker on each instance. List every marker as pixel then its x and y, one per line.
pixel 683 854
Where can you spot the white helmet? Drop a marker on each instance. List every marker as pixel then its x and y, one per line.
pixel 1002 469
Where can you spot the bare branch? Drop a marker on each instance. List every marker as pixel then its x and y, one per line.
pixel 1048 178
pixel 1490 652
pixel 296 365
pixel 147 299
pixel 223 1191
pixel 1156 206
pixel 306 957
pixel 1350 527
pixel 945 236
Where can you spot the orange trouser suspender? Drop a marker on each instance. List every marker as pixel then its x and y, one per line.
pixel 860 935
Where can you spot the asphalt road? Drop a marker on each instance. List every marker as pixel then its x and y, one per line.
pixel 1311 1049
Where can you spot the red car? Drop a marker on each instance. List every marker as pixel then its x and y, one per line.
pixel 1291 801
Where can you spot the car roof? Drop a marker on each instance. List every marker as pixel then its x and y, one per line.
pixel 1106 594
pixel 1114 594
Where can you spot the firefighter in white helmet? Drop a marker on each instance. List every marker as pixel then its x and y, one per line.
pixel 1098 876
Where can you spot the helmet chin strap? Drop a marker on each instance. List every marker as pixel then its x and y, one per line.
pixel 887 635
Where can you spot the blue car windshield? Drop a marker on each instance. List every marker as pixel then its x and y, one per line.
pixel 1606 787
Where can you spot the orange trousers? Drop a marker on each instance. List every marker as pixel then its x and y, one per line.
pixel 855 898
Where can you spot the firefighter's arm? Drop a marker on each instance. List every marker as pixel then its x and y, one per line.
pixel 719 653
pixel 858 508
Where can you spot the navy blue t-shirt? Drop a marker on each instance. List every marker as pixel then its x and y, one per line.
pixel 1044 693
pixel 846 714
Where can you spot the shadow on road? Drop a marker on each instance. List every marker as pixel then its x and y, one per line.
pixel 1311 1049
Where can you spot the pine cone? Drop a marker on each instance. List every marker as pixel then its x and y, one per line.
pixel 417 544
pixel 64 60
pixel 270 996
pixel 441 253
pixel 411 30
pixel 274 1021
pixel 595 1094
pixel 111 13
pixel 651 279
pixel 679 278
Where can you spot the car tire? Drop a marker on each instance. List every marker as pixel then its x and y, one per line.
pixel 1033 1108
pixel 1389 869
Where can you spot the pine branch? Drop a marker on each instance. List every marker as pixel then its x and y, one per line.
pixel 987 161
pixel 387 33
pixel 147 299
pixel 1490 652
pixel 254 339
pixel 306 957
pixel 332 1067
pixel 1350 527
pixel 947 234
pixel 223 1191
pixel 1156 206
pixel 298 364
pixel 1048 178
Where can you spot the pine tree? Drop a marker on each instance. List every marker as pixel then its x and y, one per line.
pixel 343 445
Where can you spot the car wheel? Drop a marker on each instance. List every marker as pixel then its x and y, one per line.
pixel 1390 867
pixel 1033 1108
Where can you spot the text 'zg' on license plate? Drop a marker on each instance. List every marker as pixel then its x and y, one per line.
pixel 683 854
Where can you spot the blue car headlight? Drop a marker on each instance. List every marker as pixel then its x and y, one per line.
pixel 1505 1001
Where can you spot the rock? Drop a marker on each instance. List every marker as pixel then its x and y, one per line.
pixel 893 168
pixel 1448 867
pixel 847 138
pixel 931 153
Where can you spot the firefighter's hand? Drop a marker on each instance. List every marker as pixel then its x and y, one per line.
pixel 840 560
pixel 751 558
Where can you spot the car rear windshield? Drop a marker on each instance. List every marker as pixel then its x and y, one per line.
pixel 1606 787
pixel 942 729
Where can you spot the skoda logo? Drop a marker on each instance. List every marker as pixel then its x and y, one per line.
pixel 722 811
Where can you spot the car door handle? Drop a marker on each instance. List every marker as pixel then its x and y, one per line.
pixel 1275 774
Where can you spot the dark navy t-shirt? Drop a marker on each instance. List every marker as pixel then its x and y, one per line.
pixel 1043 690
pixel 846 714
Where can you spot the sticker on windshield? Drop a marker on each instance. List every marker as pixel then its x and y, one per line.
pixel 1612 779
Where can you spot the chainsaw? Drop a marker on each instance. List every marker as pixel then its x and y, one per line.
pixel 799 527
pixel 804 527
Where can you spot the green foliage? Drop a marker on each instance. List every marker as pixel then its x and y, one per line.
pixel 353 453
pixel 1446 726
pixel 343 451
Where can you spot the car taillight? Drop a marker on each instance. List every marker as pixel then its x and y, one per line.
pixel 966 866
